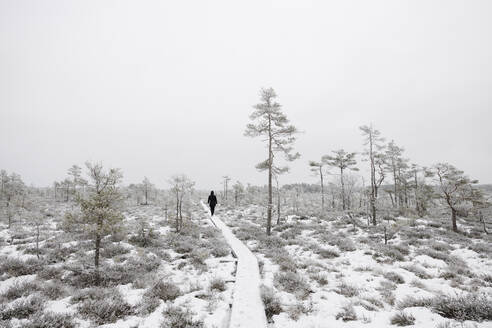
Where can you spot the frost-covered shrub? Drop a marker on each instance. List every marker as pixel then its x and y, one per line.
pixel 198 257
pixel 291 282
pixel 411 301
pixel 299 309
pixel 148 305
pixel 327 253
pixel 164 290
pixel 347 313
pixel 178 318
pixel 271 302
pixel 320 279
pixel 50 320
pixel 114 249
pixel 281 257
pixel 50 272
pixel 475 307
pixel 105 308
pixel 402 319
pixel 387 254
pixel 394 277
pixel 347 290
pixel 419 272
pixel 219 248
pixel 15 267
pixel 218 284
pixel 22 308
pixel 20 289
pixel 53 290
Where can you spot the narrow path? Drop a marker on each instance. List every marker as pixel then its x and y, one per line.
pixel 247 307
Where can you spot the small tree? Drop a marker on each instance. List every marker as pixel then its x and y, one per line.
pixel 343 161
pixel 272 124
pixel 317 168
pixel 147 187
pixel 226 185
pixel 376 158
pixel 180 187
pixel 13 190
pixel 100 213
pixel 455 188
pixel 238 191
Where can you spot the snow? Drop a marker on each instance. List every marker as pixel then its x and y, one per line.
pixel 247 307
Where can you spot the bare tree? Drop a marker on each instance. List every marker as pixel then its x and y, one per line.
pixel 374 152
pixel 238 191
pixel 317 168
pixel 271 123
pixel 226 182
pixel 181 186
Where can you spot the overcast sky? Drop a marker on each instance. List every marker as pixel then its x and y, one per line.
pixel 163 87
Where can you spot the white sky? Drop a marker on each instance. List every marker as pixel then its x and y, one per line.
pixel 164 87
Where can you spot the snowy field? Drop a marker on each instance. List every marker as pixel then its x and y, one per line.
pixel 335 272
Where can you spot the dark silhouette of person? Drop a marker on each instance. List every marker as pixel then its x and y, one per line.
pixel 212 201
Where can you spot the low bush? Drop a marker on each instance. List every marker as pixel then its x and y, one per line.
pixel 347 313
pixel 20 289
pixel 402 319
pixel 394 277
pixel 176 317
pixel 347 290
pixel 474 307
pixel 327 253
pixel 271 302
pixel 105 308
pixel 16 267
pixel 22 308
pixel 50 320
pixel 164 290
pixel 218 284
pixel 292 283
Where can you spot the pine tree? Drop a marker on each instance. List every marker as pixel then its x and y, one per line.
pixel 343 161
pixel 272 123
pixel 455 188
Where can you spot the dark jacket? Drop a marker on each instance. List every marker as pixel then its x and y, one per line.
pixel 212 200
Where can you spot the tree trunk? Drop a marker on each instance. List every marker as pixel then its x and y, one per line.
pixel 270 166
pixel 322 190
pixel 96 253
pixel 344 207
pixel 37 241
pixel 453 219
pixel 373 210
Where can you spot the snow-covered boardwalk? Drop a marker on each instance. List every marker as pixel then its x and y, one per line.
pixel 247 307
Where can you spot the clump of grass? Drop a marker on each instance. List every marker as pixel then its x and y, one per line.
pixel 328 253
pixel 15 267
pixel 271 302
pixel 419 272
pixel 292 283
pixel 347 313
pixel 50 320
pixel 22 308
pixel 176 317
pixel 473 306
pixel 402 319
pixel 164 290
pixel 104 307
pixel 394 277
pixel 347 290
pixel 411 301
pixel 218 284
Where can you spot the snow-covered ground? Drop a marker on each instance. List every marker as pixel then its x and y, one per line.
pixel 339 272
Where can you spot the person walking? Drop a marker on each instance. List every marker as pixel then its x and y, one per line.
pixel 212 201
